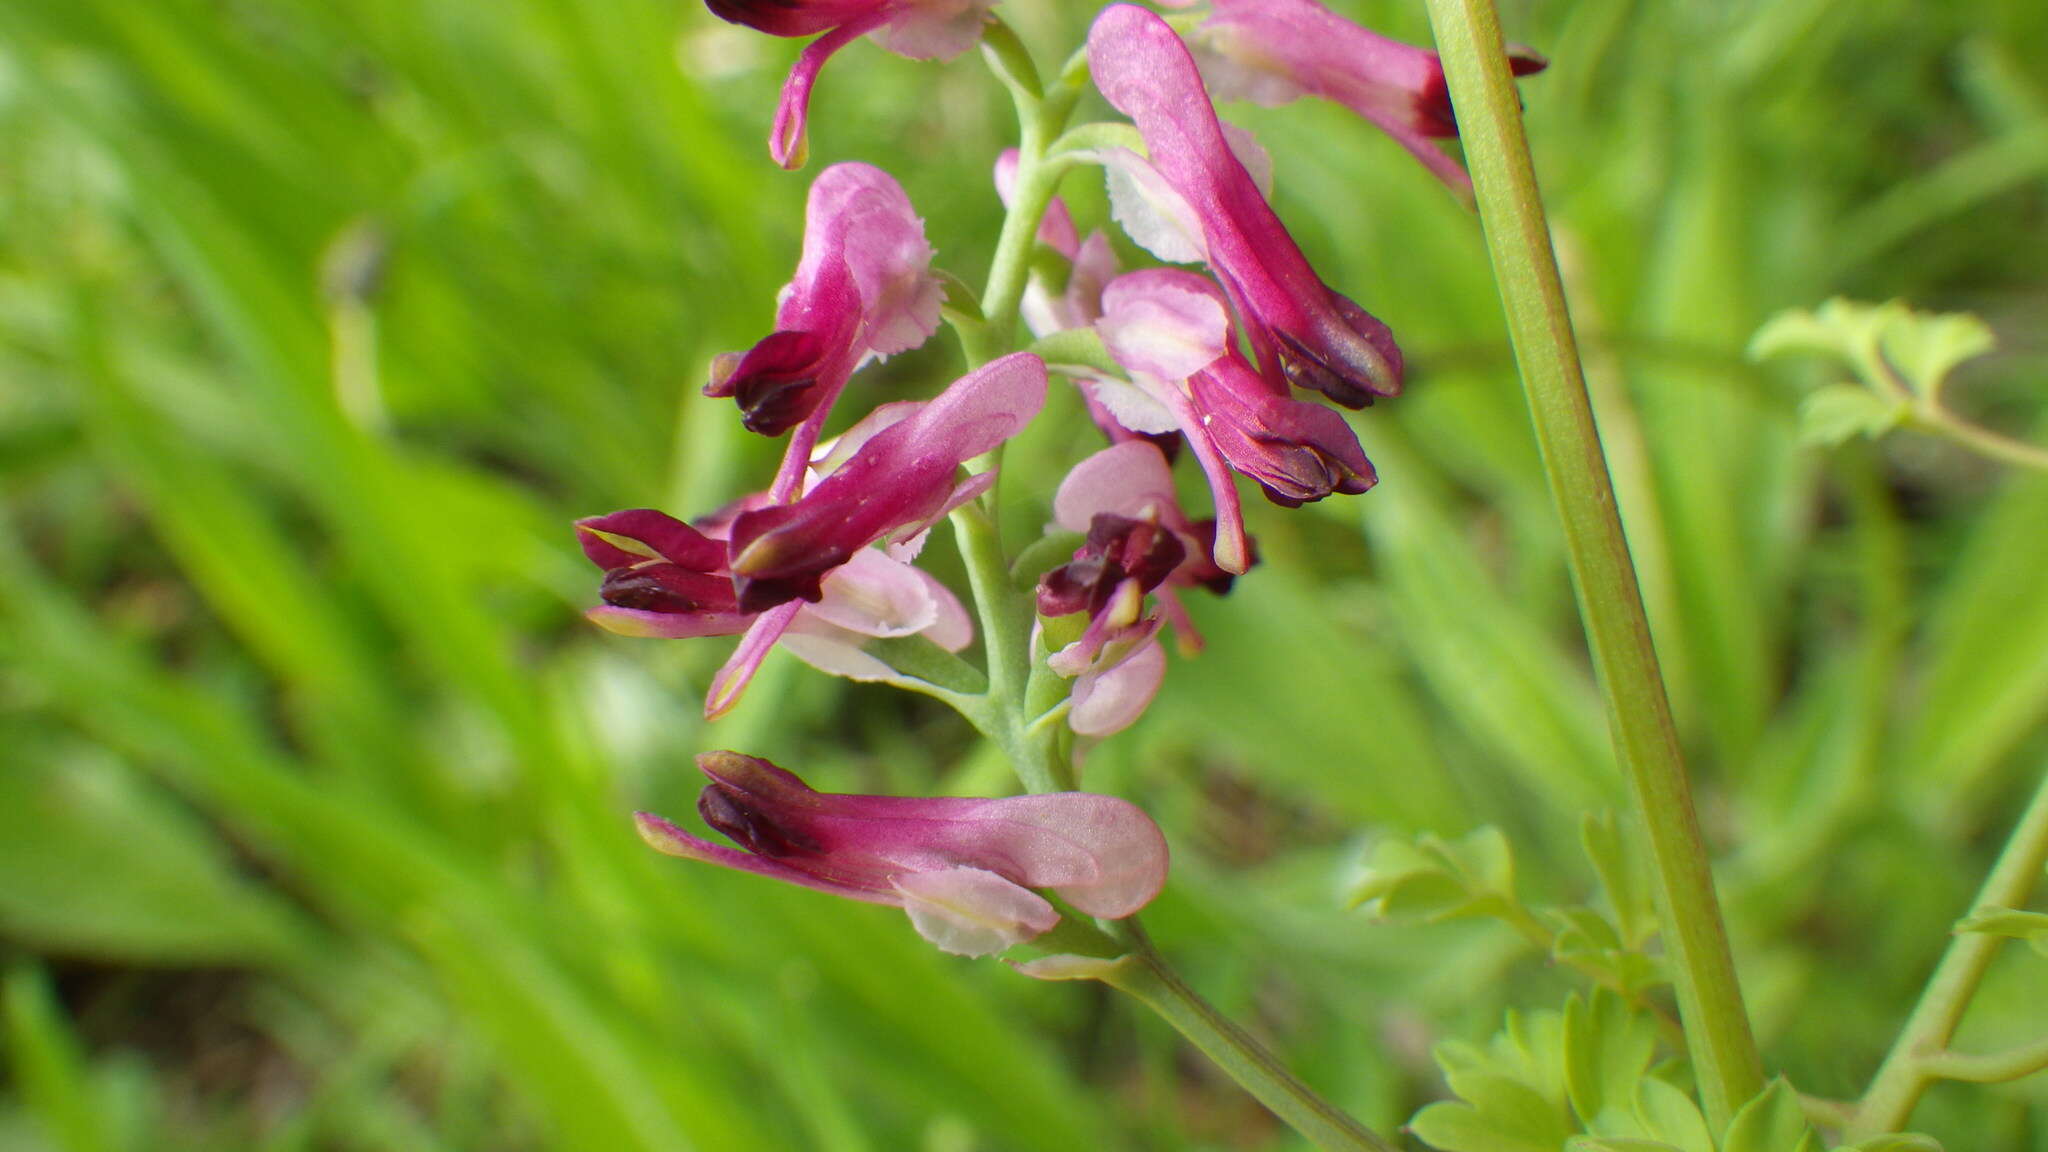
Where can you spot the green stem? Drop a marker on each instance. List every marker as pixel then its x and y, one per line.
pixel 1918 1057
pixel 1238 1053
pixel 1489 113
pixel 1041 114
pixel 1990 1068
pixel 1006 615
pixel 1932 418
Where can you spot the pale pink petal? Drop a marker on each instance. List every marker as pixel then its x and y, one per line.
pixel 1126 852
pixel 935 29
pixel 861 214
pixel 836 652
pixel 1111 699
pixel 1163 322
pixel 951 628
pixel 1155 217
pixel 1133 406
pixel 876 596
pixel 971 911
pixel 1129 479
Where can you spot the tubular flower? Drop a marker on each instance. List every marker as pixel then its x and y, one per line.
pixel 1273 52
pixel 918 29
pixel 963 869
pixel 864 287
pixel 1138 542
pixel 1304 333
pixel 667 578
pixel 1170 330
pixel 891 476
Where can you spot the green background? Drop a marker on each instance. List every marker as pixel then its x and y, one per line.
pixel 320 319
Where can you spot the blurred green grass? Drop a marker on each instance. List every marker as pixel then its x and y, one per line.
pixel 319 319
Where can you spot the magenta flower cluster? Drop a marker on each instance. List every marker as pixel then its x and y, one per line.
pixel 821 561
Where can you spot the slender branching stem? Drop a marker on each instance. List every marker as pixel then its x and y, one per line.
pixel 1919 1056
pixel 1153 983
pixel 1490 118
pixel 1932 418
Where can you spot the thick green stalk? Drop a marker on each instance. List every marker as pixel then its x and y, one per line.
pixel 1490 119
pixel 1919 1056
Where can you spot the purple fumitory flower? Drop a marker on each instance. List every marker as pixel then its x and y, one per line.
pixel 1138 541
pixel 864 287
pixel 802 571
pixel 1303 332
pixel 964 869
pixel 889 477
pixel 897 477
pixel 918 29
pixel 1273 52
pixel 667 578
pixel 1171 331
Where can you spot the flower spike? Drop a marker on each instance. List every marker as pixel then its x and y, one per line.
pixel 1304 333
pixel 963 869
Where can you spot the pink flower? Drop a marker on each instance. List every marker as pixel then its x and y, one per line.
pixel 1303 333
pixel 669 579
pixel 1170 330
pixel 1273 52
pixel 918 29
pixel 1138 541
pixel 803 572
pixel 963 869
pixel 899 475
pixel 864 287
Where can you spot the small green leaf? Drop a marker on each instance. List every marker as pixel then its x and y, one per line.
pixel 1581 930
pixel 1798 331
pixel 1511 1088
pixel 1924 348
pixel 1839 412
pixel 1610 845
pixel 1432 879
pixel 1607 1049
pixel 1773 1122
pixel 1513 1119
pixel 1670 1115
pixel 1616 1144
